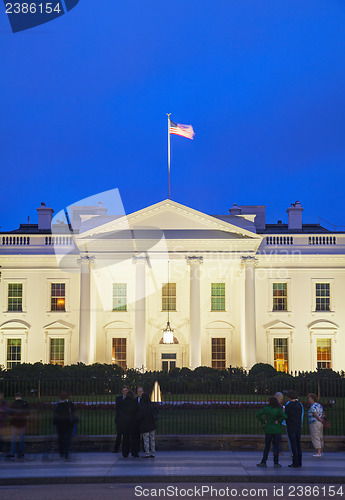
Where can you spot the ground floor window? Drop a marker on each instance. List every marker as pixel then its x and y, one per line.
pixel 218 353
pixel 14 352
pixel 281 360
pixel 119 352
pixel 168 361
pixel 57 352
pixel 324 353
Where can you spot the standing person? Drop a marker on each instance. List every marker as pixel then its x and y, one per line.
pixel 4 409
pixel 130 428
pixel 119 418
pixel 147 424
pixel 19 412
pixel 271 416
pixel 64 420
pixel 294 412
pixel 315 414
pixel 280 398
pixel 140 392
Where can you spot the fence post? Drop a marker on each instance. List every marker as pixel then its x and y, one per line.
pixel 39 386
pixel 230 380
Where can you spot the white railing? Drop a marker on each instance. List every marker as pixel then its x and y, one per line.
pixel 35 240
pixel 279 240
pixel 15 240
pixel 322 240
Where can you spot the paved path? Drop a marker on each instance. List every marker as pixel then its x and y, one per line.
pixel 174 466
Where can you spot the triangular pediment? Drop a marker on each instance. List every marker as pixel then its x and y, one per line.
pixel 58 325
pixel 279 325
pixel 169 215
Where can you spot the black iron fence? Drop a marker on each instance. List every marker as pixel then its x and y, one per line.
pixel 198 405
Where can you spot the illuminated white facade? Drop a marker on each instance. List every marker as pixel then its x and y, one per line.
pixel 240 291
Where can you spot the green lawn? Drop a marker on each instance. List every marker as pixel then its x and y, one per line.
pixel 176 421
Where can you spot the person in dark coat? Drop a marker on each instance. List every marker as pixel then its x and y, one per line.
pixel 4 411
pixel 19 412
pixel 130 428
pixel 64 420
pixel 294 412
pixel 147 416
pixel 119 418
pixel 140 392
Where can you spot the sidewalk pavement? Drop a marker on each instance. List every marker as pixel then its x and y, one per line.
pixel 170 467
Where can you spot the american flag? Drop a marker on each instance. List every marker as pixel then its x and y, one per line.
pixel 179 129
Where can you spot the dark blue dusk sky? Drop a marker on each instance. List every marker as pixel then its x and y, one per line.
pixel 84 101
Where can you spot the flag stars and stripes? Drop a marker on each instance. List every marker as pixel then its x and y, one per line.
pixel 183 130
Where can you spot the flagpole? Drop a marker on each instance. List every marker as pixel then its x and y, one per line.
pixel 169 153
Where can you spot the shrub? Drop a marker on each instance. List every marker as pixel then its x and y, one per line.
pixel 262 370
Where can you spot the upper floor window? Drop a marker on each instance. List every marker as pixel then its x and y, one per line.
pixel 120 297
pixel 324 353
pixel 169 297
pixel 217 296
pixel 14 352
pixel 58 297
pixel 280 297
pixel 323 296
pixel 15 297
pixel 218 353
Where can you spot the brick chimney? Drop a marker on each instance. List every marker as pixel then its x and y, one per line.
pixel 295 216
pixel 45 215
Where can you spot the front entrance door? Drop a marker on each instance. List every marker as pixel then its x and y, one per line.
pixel 168 361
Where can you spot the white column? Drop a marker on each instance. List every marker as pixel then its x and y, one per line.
pixel 195 334
pixel 248 333
pixel 93 318
pixel 140 313
pixel 85 311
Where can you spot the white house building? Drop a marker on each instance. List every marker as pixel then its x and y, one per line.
pixel 233 290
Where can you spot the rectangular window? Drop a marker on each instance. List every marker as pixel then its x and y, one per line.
pixel 169 297
pixel 324 354
pixel 218 353
pixel 279 296
pixel 119 355
pixel 15 296
pixel 168 365
pixel 14 352
pixel 57 297
pixel 120 297
pixel 57 352
pixel 217 296
pixel 281 360
pixel 323 296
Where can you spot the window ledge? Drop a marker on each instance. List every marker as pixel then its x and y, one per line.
pixel 22 313
pixel 322 312
pixel 54 312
